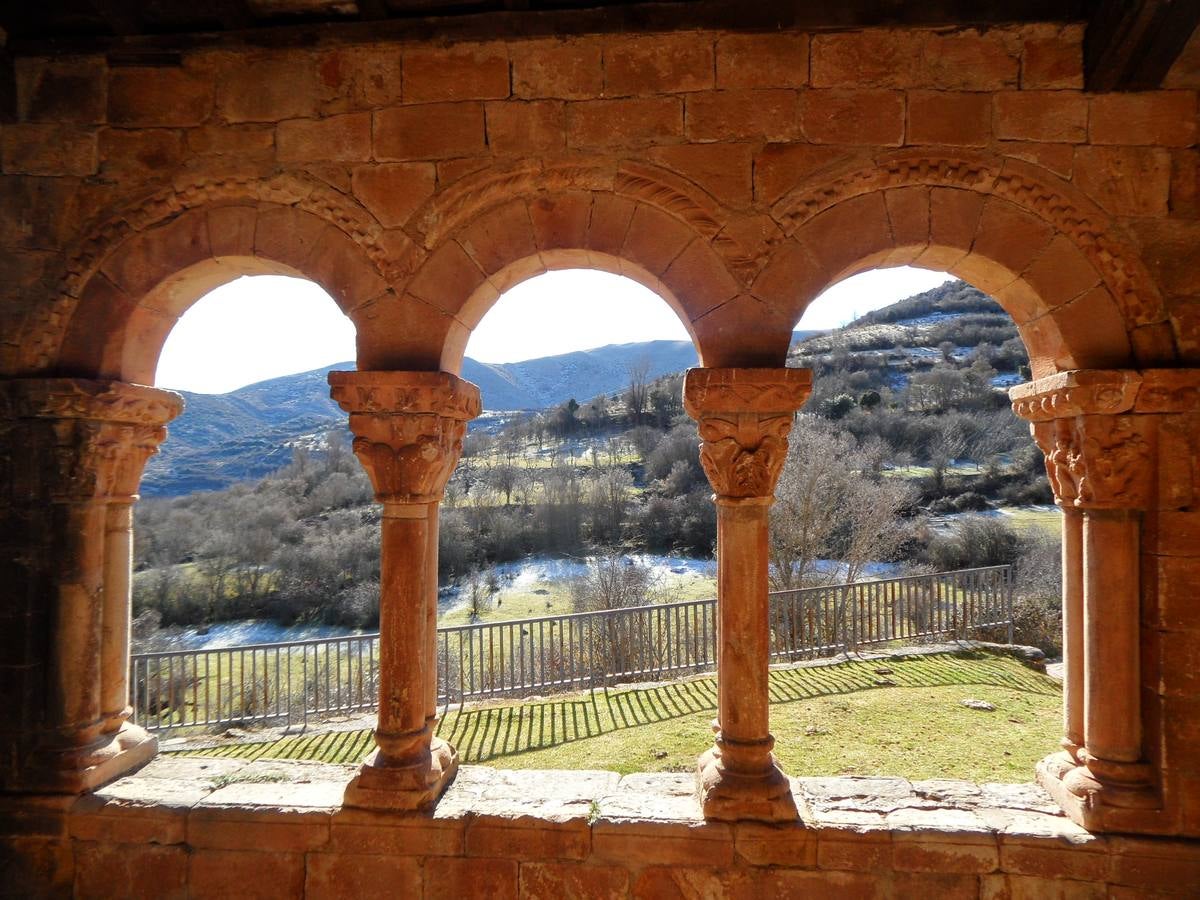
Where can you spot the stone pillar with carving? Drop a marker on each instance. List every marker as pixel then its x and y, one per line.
pixel 744 417
pixel 1110 460
pixel 72 455
pixel 408 430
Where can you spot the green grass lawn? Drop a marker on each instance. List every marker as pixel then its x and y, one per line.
pixel 852 718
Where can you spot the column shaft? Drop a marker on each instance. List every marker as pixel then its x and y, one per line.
pixel 744 652
pixel 401 734
pixel 1073 629
pixel 1112 675
pixel 114 635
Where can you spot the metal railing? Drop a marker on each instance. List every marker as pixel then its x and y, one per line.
pixel 287 683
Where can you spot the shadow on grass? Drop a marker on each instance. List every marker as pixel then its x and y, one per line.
pixel 486 733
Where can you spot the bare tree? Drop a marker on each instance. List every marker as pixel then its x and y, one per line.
pixel 637 395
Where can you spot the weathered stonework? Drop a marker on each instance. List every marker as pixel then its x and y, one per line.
pixel 408 430
pixel 744 417
pixel 735 174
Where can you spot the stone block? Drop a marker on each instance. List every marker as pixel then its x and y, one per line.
pixel 563 69
pixel 762 61
pixel 140 153
pixel 36 867
pixel 609 223
pixel 655 239
pixel 600 124
pixel 61 90
pixel 462 72
pixel 1155 863
pixel 99 818
pixel 394 191
pixel 448 278
pixel 875 57
pixel 1041 116
pixel 269 89
pixel 1126 181
pixel 854 849
pixel 337 875
pixel 132 870
pixel 853 117
pixel 562 221
pixel 1008 237
pixel 1162 118
pixel 360 77
pixel 502 237
pixel 1053 62
pixel 48 150
pixel 1058 158
pixel 741 114
pixel 1061 273
pixel 232 140
pixel 1185 184
pixel 778 168
pixel 759 844
pixel 433 131
pixel 516 128
pixel 345 138
pixel 724 170
pixel 1053 859
pixel 799 883
pixel 956 118
pixel 573 881
pixel 969 60
pixel 447 878
pixel 699 280
pixel 658 64
pixel 245 874
pixel 528 838
pixel 848 235
pixel 1029 887
pixel 1095 323
pixel 387 834
pixel 1168 247
pixel 159 97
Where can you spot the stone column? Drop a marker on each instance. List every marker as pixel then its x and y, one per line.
pixel 73 451
pixel 408 430
pixel 1102 462
pixel 744 416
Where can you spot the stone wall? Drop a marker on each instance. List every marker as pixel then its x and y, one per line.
pixel 195 827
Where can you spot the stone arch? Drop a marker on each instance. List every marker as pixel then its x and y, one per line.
pixel 487 233
pixel 128 279
pixel 1079 295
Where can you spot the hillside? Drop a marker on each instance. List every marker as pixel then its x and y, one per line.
pixel 225 438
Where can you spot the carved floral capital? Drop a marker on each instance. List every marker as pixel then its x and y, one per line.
pixel 408 428
pixel 1098 462
pixel 744 417
pixel 82 439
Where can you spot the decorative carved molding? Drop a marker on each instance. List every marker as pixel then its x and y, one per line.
pixel 744 416
pixel 98 434
pixel 467 199
pixel 47 325
pixel 1076 393
pixel 80 398
pixel 1031 189
pixel 408 428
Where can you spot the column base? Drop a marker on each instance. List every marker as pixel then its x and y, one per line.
pixel 79 770
pixel 407 787
pixel 729 796
pixel 1099 803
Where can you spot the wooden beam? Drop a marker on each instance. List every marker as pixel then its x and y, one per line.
pixel 1130 45
pixel 121 16
pixel 372 10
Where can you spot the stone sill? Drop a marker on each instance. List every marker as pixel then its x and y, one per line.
pixel 208 825
pixel 234 804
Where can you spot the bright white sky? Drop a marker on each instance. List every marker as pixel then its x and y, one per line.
pixel 257 328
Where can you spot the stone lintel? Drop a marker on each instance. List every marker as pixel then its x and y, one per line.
pixel 1084 392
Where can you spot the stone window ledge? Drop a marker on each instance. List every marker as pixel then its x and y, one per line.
pixel 210 813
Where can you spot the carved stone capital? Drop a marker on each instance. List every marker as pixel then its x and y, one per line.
pixel 408 428
pixel 83 439
pixel 1077 393
pixel 1097 461
pixel 744 416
